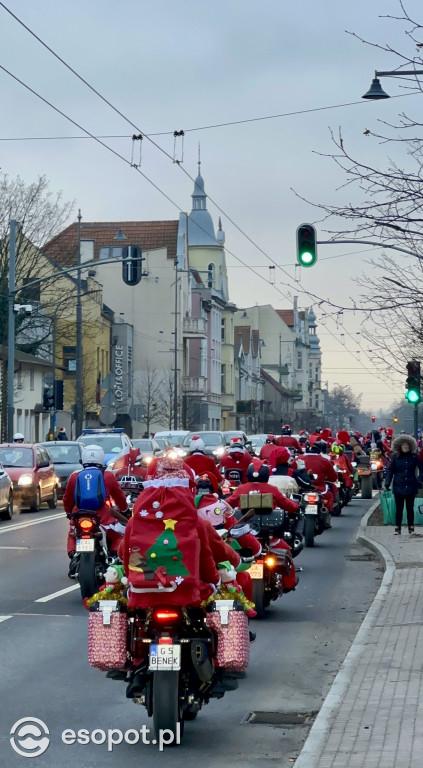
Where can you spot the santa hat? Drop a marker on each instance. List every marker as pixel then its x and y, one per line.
pixel 326 434
pixel 196 444
pixel 62 429
pixel 279 456
pixel 389 431
pixel 236 445
pixel 167 472
pixel 343 436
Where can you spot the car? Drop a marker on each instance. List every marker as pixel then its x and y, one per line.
pixel 163 443
pixel 6 495
pixel 257 442
pixel 230 434
pixel 149 448
pixel 174 439
pixel 214 442
pixel 66 457
pixel 112 441
pixel 31 471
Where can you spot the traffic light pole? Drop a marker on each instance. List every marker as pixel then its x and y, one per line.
pixel 11 332
pixel 416 420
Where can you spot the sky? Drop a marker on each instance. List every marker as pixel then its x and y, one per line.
pixel 169 66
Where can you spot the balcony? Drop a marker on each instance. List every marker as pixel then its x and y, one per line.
pixel 194 328
pixel 194 385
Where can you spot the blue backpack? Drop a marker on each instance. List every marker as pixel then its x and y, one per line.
pixel 90 490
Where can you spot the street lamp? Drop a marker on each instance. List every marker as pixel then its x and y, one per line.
pixel 376 91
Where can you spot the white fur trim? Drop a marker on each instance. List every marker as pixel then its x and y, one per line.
pixel 167 482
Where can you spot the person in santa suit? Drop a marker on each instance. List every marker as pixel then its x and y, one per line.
pixel 236 458
pixel 287 440
pixel 267 448
pixel 314 436
pixel 320 466
pixel 258 481
pixel 198 461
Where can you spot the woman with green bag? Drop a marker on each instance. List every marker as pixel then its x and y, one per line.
pixel 404 472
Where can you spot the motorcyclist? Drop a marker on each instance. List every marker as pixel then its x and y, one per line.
pixel 113 522
pixel 198 461
pixel 235 458
pixel 323 472
pixel 18 437
pixel 268 447
pixel 287 440
pixel 341 459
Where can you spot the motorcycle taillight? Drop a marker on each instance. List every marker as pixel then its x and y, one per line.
pixel 311 498
pixel 167 616
pixel 86 524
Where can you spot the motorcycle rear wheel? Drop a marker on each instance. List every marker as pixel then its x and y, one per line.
pixel 89 581
pixel 166 708
pixel 309 528
pixel 366 487
pixel 259 597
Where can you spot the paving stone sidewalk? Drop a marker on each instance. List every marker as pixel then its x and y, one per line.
pixel 372 716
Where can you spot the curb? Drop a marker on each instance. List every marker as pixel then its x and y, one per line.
pixel 314 745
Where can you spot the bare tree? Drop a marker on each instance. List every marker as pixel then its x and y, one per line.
pixel 148 391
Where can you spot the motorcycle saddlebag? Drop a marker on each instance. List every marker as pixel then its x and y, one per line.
pixel 233 638
pixel 107 636
pixel 262 503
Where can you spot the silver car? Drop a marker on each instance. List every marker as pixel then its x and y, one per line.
pixel 6 495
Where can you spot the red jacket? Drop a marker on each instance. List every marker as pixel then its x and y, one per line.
pixel 321 467
pixel 289 442
pixel 200 464
pixel 114 492
pixel 279 500
pixel 266 450
pixel 240 460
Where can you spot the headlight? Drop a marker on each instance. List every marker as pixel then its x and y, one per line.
pixel 25 480
pixel 172 454
pixel 148 459
pixel 219 451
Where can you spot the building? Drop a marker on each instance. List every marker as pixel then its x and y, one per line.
pixel 29 417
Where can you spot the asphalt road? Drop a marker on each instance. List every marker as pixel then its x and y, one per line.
pixel 44 671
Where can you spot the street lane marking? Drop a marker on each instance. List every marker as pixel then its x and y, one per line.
pixel 57 594
pixel 5 618
pixel 14 547
pixel 17 526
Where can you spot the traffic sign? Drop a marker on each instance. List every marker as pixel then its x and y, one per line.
pixel 108 415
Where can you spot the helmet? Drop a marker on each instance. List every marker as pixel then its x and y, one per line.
pixel 18 437
pixel 286 429
pixel 319 446
pixel 341 449
pixel 258 472
pixel 270 439
pixel 92 455
pixel 196 444
pixel 335 448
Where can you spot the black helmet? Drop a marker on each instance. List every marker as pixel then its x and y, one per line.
pixel 320 446
pixel 258 472
pixel 286 430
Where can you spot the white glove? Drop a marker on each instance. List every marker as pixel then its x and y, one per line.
pixel 239 531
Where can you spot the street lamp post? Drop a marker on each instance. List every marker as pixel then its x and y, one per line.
pixel 376 91
pixel 79 389
pixel 11 331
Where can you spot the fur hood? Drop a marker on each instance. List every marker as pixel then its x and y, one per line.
pixel 404 439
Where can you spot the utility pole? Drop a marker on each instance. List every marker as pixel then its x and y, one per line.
pixel 11 331
pixel 79 390
pixel 175 362
pixel 280 358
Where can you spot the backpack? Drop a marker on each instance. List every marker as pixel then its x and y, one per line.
pixel 90 490
pixel 164 549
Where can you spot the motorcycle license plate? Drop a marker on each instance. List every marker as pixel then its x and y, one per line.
pixel 311 509
pixel 85 545
pixel 256 570
pixel 165 658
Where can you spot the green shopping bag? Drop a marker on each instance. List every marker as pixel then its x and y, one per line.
pixel 387 503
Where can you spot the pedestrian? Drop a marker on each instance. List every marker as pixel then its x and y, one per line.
pixel 404 472
pixel 61 435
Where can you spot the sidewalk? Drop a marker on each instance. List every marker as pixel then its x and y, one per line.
pixel 372 716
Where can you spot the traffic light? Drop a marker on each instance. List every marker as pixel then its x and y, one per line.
pixel 306 245
pixel 58 395
pixel 132 265
pixel 413 382
pixel 48 398
pixel 395 419
pixel 373 419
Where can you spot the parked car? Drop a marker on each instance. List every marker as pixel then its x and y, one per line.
pixel 112 441
pixel 149 448
pixel 6 495
pixel 214 442
pixel 65 455
pixel 32 473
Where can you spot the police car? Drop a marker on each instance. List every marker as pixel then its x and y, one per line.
pixel 112 441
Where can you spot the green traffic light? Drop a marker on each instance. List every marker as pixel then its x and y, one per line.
pixel 306 245
pixel 412 396
pixel 306 259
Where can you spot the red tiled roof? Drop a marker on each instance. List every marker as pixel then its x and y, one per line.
pixel 256 340
pixel 287 315
pixel 147 235
pixel 242 333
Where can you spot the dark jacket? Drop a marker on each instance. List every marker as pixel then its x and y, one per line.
pixel 402 469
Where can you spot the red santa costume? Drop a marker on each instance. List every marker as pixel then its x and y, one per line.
pixel 235 458
pixel 286 440
pixel 258 476
pixel 199 462
pixel 114 529
pixel 325 472
pixel 267 448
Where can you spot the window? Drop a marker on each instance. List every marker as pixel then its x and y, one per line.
pixel 310 371
pixel 222 326
pixel 31 294
pixel 299 360
pixel 317 374
pixel 69 360
pixel 223 379
pixel 112 252
pixel 31 380
pixel 210 276
pixel 317 402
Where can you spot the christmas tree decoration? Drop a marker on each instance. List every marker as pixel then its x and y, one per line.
pixel 165 553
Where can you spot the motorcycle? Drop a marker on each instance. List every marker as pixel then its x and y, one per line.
pixel 344 492
pixel 91 550
pixel 316 516
pixel 268 570
pixel 132 486
pixel 377 472
pixel 365 479
pixel 173 651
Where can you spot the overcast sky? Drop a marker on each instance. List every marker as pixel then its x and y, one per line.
pixel 187 65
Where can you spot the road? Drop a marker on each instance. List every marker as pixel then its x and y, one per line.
pixel 44 671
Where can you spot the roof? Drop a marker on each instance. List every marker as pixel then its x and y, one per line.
pixel 278 387
pixel 147 235
pixel 256 341
pixel 287 315
pixel 24 357
pixel 242 334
